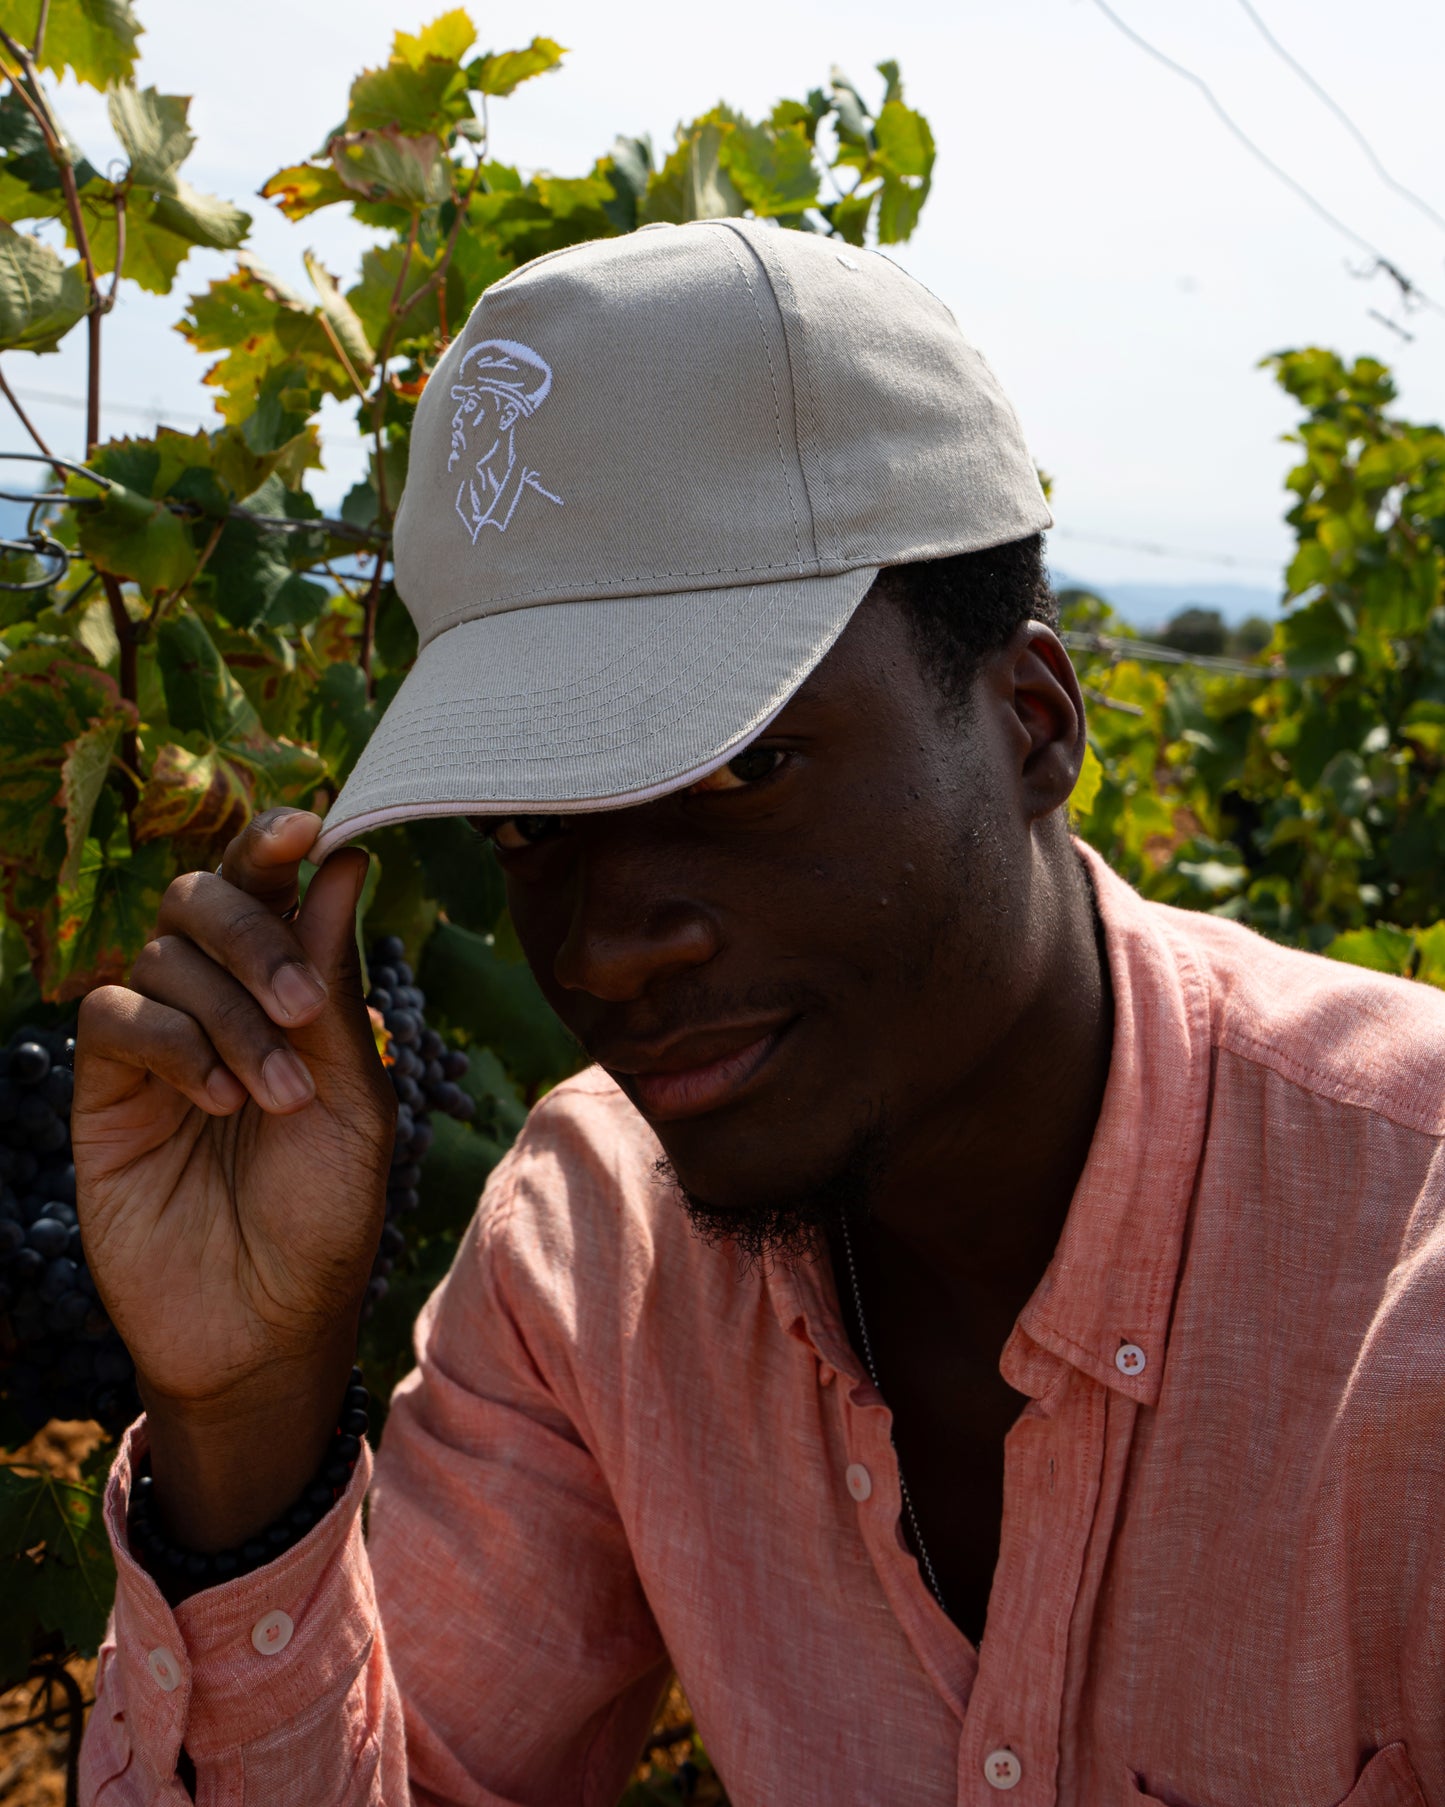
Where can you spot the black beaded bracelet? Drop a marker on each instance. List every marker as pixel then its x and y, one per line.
pixel 172 1566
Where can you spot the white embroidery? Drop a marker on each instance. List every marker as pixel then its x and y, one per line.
pixel 498 383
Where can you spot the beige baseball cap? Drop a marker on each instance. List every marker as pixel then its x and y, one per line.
pixel 649 483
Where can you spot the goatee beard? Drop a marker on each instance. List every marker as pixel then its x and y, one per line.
pixel 796 1226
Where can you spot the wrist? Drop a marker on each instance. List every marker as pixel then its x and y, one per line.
pixel 181 1568
pixel 224 1470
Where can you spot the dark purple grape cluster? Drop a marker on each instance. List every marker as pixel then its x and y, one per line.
pixel 61 1358
pixel 424 1072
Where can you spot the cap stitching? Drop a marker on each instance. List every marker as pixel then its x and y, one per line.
pixel 773 380
pixel 804 367
pixel 539 594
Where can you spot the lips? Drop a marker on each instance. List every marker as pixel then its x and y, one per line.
pixel 697 1075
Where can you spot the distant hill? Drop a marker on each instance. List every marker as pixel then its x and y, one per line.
pixel 1151 605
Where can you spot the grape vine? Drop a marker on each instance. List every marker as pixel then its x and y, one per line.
pixel 424 1074
pixel 66 1361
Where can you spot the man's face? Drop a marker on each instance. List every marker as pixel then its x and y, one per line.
pixel 793 968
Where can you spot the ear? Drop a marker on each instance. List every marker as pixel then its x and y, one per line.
pixel 1033 678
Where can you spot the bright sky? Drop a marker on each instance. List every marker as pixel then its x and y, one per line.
pixel 1120 258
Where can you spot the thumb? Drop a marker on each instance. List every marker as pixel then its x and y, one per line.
pixel 326 929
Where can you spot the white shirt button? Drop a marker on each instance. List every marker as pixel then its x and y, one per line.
pixel 165 1670
pixel 272 1633
pixel 860 1482
pixel 1130 1359
pixel 1002 1769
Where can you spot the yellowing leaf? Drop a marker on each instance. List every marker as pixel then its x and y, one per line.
pixel 450 37
pixel 502 72
pixel 305 188
pixel 50 707
pixel 82 778
pixel 1086 786
pixel 1431 946
pixel 198 796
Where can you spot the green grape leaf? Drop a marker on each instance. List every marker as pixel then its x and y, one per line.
pixel 202 697
pixel 164 216
pixel 30 187
pixel 773 171
pixel 94 39
pixel 424 98
pixel 130 535
pixel 389 165
pixel 692 184
pixel 341 719
pixel 1383 948
pixel 850 216
pixel 371 298
pixel 153 132
pixel 502 72
pixel 204 701
pixel 200 219
pixel 56 1570
pixel 905 154
pixel 341 317
pixel 41 297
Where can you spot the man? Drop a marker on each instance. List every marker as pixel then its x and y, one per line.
pixel 943 1236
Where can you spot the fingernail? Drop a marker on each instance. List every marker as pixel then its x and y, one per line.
pixel 296 991
pixel 286 1079
pixel 225 1089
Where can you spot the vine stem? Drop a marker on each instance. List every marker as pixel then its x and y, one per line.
pixel 125 635
pixel 368 620
pixel 29 425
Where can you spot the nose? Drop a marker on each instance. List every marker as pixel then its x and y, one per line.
pixel 625 934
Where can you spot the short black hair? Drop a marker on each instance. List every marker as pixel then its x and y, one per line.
pixel 964 607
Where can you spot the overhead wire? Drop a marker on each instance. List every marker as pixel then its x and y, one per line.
pixel 1156 550
pixel 1410 290
pixel 1321 93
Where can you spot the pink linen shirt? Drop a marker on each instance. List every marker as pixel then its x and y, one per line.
pixel 1221 1581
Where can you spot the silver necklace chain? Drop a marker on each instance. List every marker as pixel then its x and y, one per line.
pixel 918 1544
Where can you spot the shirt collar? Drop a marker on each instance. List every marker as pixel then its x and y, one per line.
pixel 1111 1281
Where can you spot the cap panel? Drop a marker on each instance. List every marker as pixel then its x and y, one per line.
pixel 614 421
pixel 909 446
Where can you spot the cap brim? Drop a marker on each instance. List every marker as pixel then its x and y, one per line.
pixel 574 706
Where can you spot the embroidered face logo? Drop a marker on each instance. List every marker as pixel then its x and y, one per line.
pixel 499 384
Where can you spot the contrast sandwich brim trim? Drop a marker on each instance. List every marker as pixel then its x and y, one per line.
pixel 580 706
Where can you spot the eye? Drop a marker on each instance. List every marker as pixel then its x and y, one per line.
pixel 512 833
pixel 751 766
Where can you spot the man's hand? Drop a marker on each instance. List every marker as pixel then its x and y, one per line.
pixel 232 1128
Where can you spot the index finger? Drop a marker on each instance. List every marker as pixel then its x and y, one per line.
pixel 264 860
